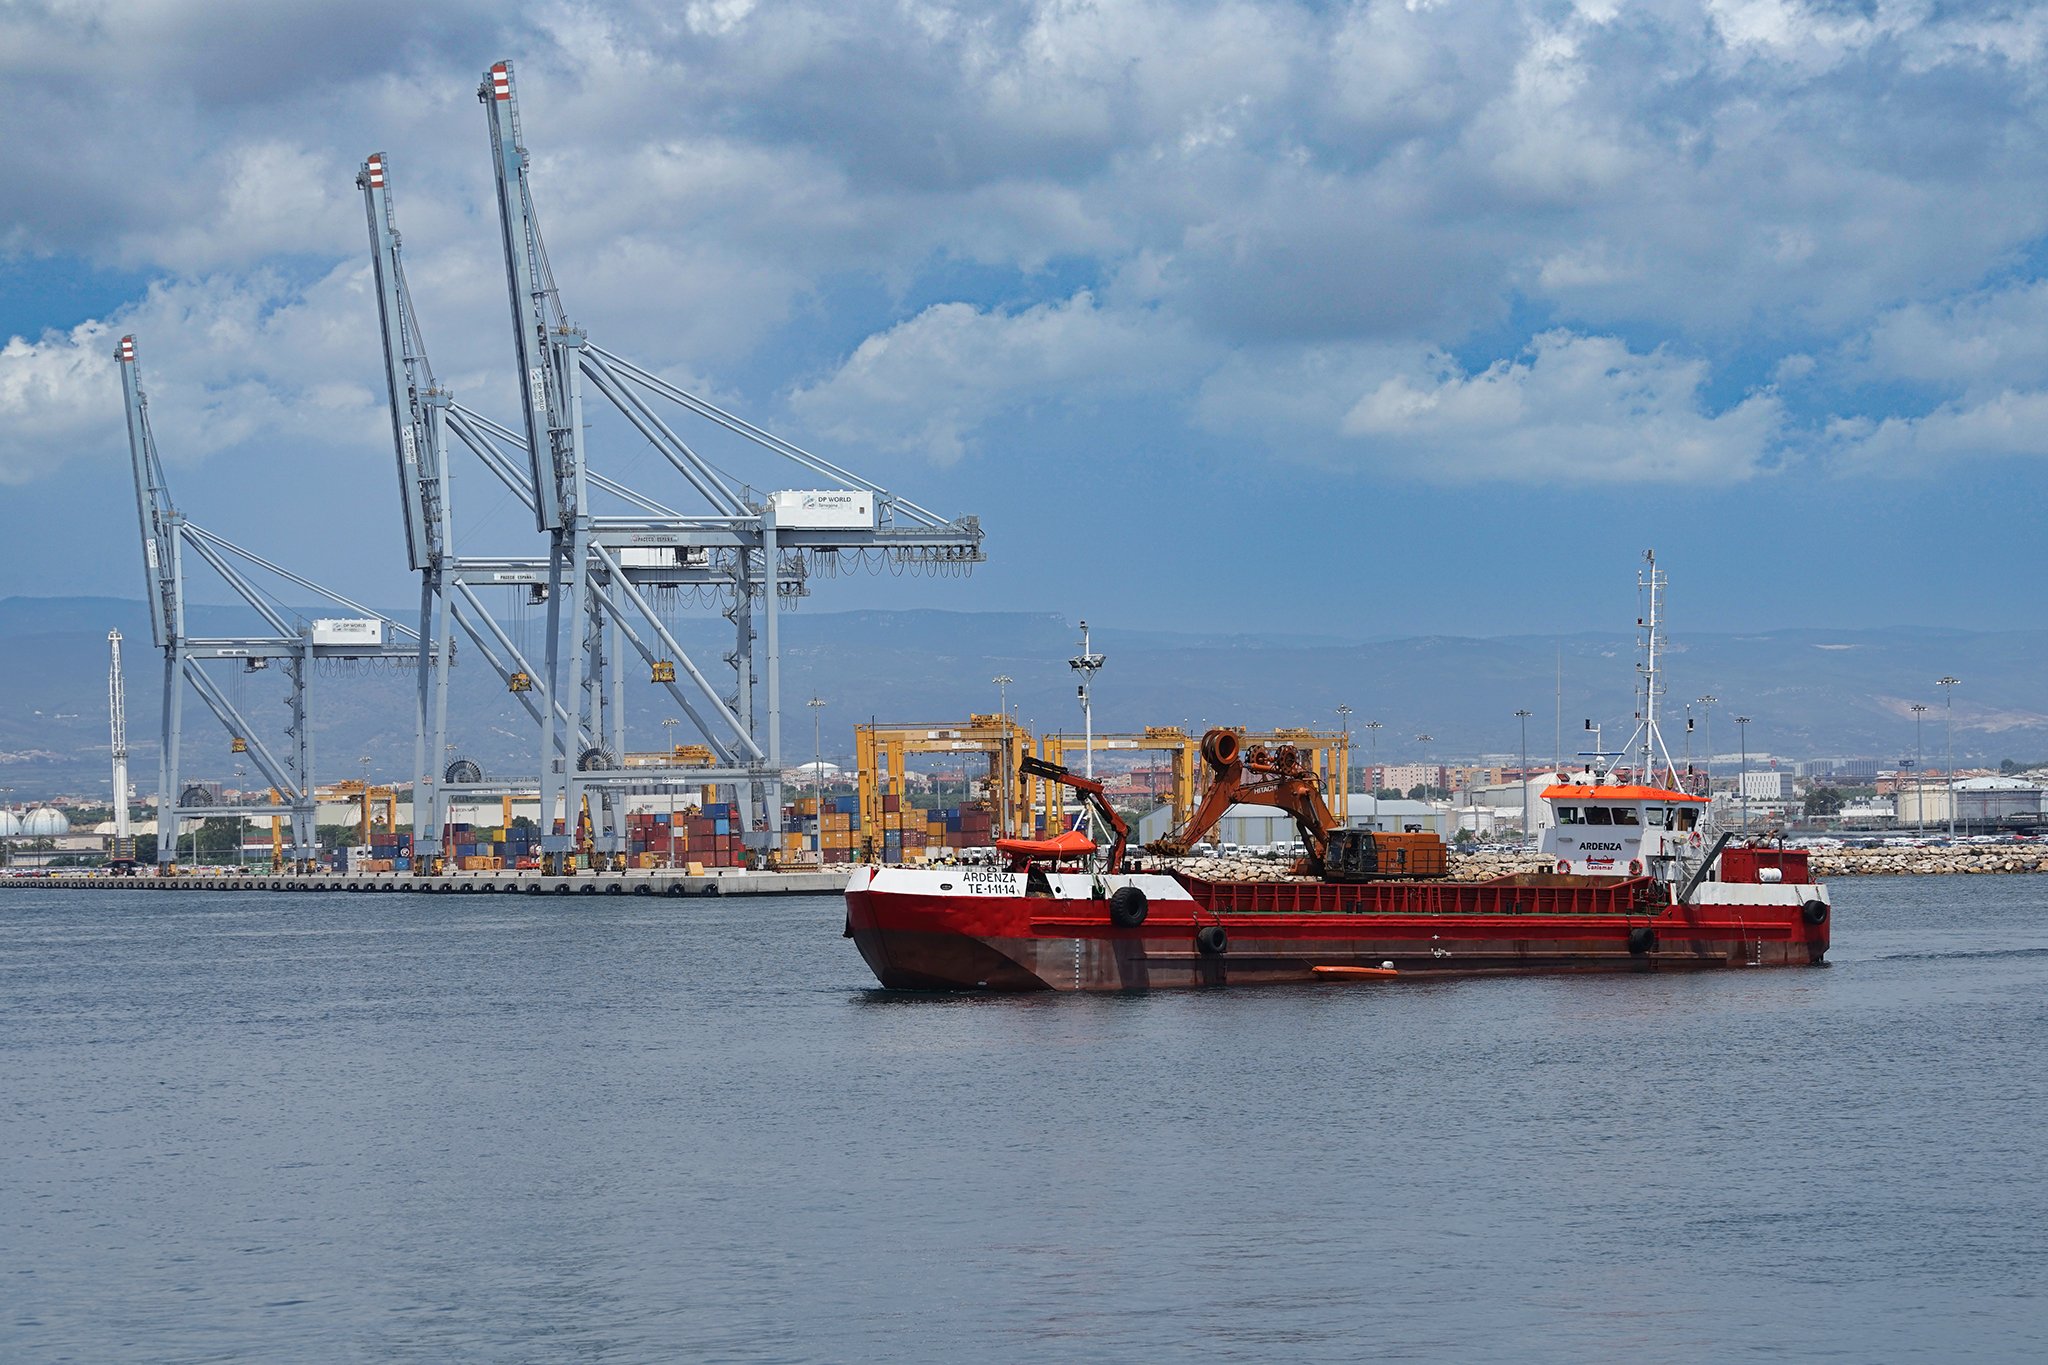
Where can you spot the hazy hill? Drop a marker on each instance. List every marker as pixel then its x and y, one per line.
pixel 1809 692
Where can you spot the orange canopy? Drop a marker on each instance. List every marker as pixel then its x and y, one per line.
pixel 1072 844
pixel 1570 791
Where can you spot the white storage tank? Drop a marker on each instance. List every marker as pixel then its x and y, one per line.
pixel 10 824
pixel 45 823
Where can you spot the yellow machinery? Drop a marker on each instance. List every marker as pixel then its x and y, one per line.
pixel 881 751
pixel 682 756
pixel 1182 751
pixel 369 797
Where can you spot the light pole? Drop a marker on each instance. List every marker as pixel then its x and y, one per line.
pixel 1742 724
pixel 1427 785
pixel 1707 708
pixel 1344 719
pixel 1372 728
pixel 1522 714
pixel 1948 685
pixel 1009 772
pixel 1086 663
pixel 817 705
pixel 1919 770
pixel 668 740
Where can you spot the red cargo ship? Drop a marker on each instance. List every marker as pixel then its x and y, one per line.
pixel 1634 884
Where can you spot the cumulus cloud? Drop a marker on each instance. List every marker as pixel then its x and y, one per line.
pixel 1569 409
pixel 2010 423
pixel 1320 196
pixel 932 383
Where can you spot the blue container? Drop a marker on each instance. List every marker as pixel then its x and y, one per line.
pixel 401 865
pixel 662 819
pixel 721 826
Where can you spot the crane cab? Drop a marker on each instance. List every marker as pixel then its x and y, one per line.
pixel 1600 829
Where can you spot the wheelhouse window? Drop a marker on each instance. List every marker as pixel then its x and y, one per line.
pixel 1653 816
pixel 1599 815
pixel 1569 815
pixel 1626 815
pixel 1684 819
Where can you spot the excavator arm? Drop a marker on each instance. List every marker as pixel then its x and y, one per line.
pixel 1257 777
pixel 1091 792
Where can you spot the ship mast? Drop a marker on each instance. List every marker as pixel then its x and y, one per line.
pixel 1648 740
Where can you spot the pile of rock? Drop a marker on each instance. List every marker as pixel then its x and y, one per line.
pixel 1929 862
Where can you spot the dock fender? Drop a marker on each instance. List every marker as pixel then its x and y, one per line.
pixel 562 889
pixel 588 888
pixel 1212 941
pixel 1814 912
pixel 615 889
pixel 710 889
pixel 675 889
pixel 1642 939
pixel 1127 907
pixel 643 889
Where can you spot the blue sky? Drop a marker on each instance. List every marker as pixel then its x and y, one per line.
pixel 1361 320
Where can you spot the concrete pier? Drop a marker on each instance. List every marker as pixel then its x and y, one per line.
pixel 652 882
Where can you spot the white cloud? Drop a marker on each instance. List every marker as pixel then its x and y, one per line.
pixel 2008 424
pixel 1570 409
pixel 932 383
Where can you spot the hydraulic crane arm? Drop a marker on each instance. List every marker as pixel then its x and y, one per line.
pixel 1257 777
pixel 1091 792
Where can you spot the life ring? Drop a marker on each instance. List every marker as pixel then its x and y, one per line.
pixel 1212 941
pixel 1642 939
pixel 1693 839
pixel 1127 907
pixel 1814 912
pixel 1635 867
pixel 1563 867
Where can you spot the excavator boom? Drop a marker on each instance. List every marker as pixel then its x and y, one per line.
pixel 1280 778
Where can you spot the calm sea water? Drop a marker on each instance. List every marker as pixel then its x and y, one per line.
pixel 274 1127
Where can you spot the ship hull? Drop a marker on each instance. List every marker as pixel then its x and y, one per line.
pixel 915 936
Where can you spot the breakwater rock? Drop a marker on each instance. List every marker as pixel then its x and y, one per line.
pixel 1928 862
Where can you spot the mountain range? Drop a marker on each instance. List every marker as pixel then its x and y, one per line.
pixel 1808 692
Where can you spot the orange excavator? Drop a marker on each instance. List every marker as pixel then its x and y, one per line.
pixel 1258 776
pixel 1283 779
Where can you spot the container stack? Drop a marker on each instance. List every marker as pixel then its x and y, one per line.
pixel 712 837
pixel 829 823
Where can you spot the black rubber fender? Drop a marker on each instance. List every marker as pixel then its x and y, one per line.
pixel 1814 912
pixel 677 889
pixel 1127 907
pixel 1211 941
pixel 1642 939
pixel 643 889
pixel 588 888
pixel 615 889
pixel 710 889
pixel 562 888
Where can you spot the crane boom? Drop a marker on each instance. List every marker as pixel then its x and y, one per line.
pixel 542 341
pixel 417 402
pixel 158 518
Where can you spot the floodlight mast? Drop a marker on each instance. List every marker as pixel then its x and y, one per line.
pixel 166 535
pixel 764 558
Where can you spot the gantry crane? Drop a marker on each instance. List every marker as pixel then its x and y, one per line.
pixel 1177 744
pixel 294 645
pixel 880 764
pixel 452 585
pixel 759 541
